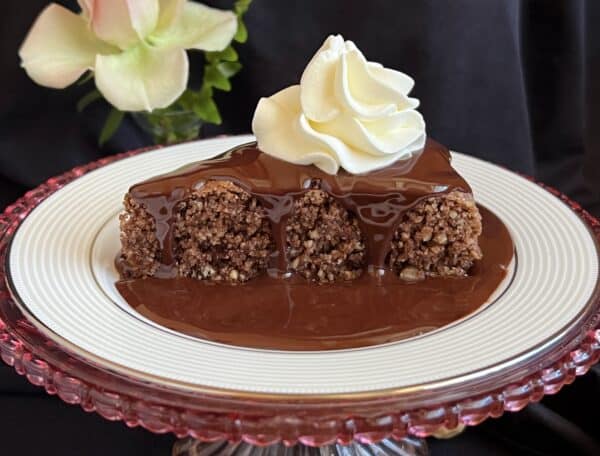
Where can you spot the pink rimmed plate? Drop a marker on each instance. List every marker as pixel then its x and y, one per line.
pixel 61 277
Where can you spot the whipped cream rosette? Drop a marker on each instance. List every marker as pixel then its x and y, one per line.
pixel 346 112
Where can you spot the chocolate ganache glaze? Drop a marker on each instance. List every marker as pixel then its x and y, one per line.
pixel 377 199
pixel 278 311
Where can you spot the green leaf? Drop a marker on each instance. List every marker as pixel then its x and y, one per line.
pixel 87 99
pixel 228 54
pixel 241 6
pixel 214 78
pixel 206 108
pixel 186 100
pixel 229 69
pixel 242 33
pixel 85 78
pixel 220 67
pixel 111 125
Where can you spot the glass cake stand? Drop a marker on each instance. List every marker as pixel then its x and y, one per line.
pixel 207 424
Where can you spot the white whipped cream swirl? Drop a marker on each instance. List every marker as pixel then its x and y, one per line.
pixel 346 112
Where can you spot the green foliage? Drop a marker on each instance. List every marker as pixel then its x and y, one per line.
pixel 220 67
pixel 88 76
pixel 214 78
pixel 111 125
pixel 88 99
pixel 113 120
pixel 229 69
pixel 241 6
pixel 228 54
pixel 169 126
pixel 242 33
pixel 206 108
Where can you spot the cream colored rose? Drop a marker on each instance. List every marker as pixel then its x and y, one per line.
pixel 136 48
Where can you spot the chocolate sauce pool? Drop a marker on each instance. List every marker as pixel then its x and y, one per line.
pixel 272 312
pixel 293 314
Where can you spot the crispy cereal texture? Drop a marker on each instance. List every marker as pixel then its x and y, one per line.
pixel 437 237
pixel 323 239
pixel 222 234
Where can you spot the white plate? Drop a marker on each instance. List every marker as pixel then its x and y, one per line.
pixel 61 269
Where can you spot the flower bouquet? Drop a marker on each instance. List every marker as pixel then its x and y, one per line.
pixel 136 53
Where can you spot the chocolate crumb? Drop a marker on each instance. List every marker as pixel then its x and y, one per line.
pixel 324 242
pixel 221 233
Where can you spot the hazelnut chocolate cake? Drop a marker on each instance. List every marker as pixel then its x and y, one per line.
pixel 248 213
pixel 342 182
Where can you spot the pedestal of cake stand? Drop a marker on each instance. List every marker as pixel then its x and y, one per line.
pixel 409 446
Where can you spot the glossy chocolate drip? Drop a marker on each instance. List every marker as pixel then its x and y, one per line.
pixel 293 314
pixel 377 199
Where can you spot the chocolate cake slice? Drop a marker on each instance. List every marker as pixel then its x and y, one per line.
pixel 247 213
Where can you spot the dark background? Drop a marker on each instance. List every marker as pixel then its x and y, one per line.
pixel 514 82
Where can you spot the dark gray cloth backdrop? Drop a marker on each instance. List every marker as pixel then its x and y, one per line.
pixel 514 82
